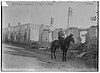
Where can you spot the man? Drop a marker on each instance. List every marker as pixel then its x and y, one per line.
pixel 61 35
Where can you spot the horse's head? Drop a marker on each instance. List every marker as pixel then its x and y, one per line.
pixel 72 39
pixel 69 38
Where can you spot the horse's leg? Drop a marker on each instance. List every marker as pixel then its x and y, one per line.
pixel 51 52
pixel 66 52
pixel 63 56
pixel 54 52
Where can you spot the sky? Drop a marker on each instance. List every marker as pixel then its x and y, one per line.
pixel 41 13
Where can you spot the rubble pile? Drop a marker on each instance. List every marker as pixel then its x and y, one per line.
pixel 87 50
pixel 34 45
pixel 91 49
pixel 72 52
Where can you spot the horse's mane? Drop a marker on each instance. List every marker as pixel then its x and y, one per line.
pixel 68 38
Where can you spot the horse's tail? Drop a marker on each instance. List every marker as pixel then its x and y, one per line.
pixel 51 46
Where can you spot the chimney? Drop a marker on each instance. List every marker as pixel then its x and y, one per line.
pixel 52 21
pixel 19 23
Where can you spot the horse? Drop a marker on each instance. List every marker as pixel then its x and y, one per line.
pixel 64 46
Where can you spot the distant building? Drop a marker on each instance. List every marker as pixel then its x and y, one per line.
pixel 44 35
pixel 45 38
pixel 4 34
pixel 26 33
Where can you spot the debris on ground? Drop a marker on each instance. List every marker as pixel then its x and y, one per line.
pixel 43 48
pixel 81 54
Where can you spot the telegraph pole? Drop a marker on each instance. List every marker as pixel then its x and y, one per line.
pixel 69 14
pixel 52 21
pixel 68 21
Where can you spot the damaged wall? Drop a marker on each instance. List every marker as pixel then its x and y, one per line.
pixel 91 33
pixel 76 33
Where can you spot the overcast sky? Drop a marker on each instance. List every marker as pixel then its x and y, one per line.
pixel 41 12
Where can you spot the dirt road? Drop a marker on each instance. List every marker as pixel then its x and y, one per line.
pixel 21 59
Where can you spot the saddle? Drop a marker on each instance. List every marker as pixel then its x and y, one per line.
pixel 61 40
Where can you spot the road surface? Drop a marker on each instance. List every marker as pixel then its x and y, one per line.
pixel 19 59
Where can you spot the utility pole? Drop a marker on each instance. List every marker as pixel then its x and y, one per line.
pixel 69 14
pixel 52 21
